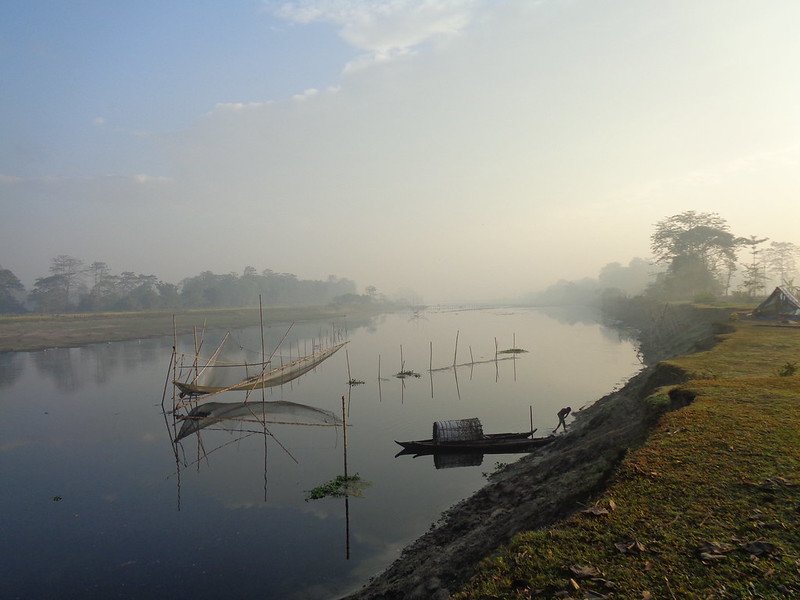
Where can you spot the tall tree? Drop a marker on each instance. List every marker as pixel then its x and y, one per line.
pixel 697 247
pixel 68 271
pixel 49 294
pixel 11 292
pixel 755 275
pixel 98 270
pixel 781 261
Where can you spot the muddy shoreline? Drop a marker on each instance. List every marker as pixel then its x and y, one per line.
pixel 550 484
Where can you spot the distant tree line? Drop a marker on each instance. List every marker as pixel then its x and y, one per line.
pixel 695 257
pixel 71 286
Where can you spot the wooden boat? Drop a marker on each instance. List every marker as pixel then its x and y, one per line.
pixel 493 443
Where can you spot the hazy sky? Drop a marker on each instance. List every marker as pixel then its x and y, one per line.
pixel 465 149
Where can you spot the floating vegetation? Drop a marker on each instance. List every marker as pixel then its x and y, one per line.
pixel 341 486
pixel 513 351
pixel 404 374
pixel 353 382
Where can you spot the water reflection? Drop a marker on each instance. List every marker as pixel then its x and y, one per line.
pixel 86 425
pixel 234 414
pixel 10 368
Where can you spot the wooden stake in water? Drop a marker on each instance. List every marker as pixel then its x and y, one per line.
pixel 531 409
pixel 347 483
pixel 263 352
pixel 344 429
pixel 455 352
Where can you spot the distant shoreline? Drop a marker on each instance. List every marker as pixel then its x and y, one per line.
pixel 26 333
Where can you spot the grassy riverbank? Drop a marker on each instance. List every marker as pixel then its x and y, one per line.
pixel 37 332
pixel 707 508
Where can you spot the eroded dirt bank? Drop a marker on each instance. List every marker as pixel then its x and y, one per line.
pixel 546 486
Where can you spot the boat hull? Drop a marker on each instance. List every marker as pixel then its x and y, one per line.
pixel 490 444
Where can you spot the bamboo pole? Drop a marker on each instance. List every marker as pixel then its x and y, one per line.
pixel 347 495
pixel 174 360
pixel 496 364
pixel 380 388
pixel 263 360
pixel 166 381
pixel 344 430
pixel 196 351
pixel 455 352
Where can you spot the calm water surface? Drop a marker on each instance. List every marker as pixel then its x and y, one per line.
pixel 95 504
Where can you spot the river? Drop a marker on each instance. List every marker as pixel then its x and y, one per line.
pixel 99 503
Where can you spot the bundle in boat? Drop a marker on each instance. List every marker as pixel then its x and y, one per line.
pixel 459 430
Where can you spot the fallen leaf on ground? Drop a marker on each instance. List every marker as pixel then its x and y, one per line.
pixel 717 548
pixel 758 548
pixel 630 547
pixel 595 510
pixel 708 557
pixel 590 595
pixel 584 572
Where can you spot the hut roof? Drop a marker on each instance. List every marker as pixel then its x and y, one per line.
pixel 781 303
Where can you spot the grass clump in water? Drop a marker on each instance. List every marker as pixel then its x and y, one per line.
pixel 407 373
pixel 339 487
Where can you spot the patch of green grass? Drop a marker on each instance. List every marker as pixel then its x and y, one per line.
pixel 708 508
pixel 753 349
pixel 787 370
pixel 339 487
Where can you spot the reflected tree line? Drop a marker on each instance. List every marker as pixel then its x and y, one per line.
pixel 72 286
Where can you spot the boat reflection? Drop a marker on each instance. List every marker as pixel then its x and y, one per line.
pixel 451 459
